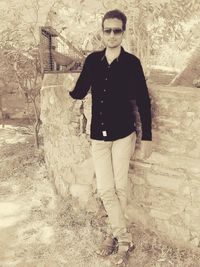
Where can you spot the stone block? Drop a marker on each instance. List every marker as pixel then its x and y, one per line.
pixel 192 218
pixel 68 175
pixel 157 169
pixel 155 213
pixel 165 201
pixel 176 234
pixel 141 193
pixel 185 190
pixel 137 180
pixel 92 205
pixel 136 213
pixel 84 172
pixel 194 242
pixel 177 219
pixel 82 192
pixel 140 165
pixel 62 186
pixel 165 182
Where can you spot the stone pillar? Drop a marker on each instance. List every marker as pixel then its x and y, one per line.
pixel 67 147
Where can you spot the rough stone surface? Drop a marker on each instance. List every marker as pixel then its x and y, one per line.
pixel 67 149
pixel 84 172
pixel 164 190
pixel 82 192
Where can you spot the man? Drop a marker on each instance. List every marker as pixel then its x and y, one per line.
pixel 115 78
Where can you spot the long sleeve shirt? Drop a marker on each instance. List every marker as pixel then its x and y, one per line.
pixel 114 87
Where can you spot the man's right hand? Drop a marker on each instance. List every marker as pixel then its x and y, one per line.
pixel 144 151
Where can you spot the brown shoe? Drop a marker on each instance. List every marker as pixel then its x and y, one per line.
pixel 108 247
pixel 124 248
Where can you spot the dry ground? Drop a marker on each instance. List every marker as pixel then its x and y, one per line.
pixel 38 229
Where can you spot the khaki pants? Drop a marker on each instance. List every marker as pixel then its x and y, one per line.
pixel 111 162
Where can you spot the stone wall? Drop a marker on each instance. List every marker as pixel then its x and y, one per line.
pixel 164 190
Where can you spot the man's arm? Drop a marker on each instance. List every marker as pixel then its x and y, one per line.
pixel 83 83
pixel 144 108
pixel 143 103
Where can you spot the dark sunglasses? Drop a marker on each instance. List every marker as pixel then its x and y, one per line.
pixel 116 31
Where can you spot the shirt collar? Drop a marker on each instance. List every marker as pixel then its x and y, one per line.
pixel 120 55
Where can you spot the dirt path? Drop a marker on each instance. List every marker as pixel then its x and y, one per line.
pixel 26 201
pixel 38 229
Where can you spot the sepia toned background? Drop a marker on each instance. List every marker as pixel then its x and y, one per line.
pixel 50 213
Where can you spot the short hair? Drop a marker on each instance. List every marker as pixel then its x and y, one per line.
pixel 115 14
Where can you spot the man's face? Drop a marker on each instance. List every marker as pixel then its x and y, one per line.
pixel 112 33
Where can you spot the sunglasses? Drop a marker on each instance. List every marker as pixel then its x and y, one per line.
pixel 116 31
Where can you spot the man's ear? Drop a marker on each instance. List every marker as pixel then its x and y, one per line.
pixel 101 36
pixel 101 33
pixel 124 34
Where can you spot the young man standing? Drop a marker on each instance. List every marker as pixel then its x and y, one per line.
pixel 116 78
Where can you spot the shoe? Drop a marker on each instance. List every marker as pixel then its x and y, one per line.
pixel 108 247
pixel 124 249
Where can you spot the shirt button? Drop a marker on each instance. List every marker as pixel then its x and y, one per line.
pixel 102 123
pixel 101 101
pixel 100 112
pixel 106 79
pixel 104 90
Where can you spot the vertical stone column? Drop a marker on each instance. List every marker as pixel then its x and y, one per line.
pixel 67 147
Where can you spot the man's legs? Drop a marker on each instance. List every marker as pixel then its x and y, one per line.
pixel 111 162
pixel 122 151
pixel 102 158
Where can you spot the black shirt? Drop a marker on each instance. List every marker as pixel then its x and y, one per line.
pixel 113 87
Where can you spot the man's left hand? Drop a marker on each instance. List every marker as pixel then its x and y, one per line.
pixel 144 151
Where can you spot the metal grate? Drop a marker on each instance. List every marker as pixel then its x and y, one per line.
pixel 58 54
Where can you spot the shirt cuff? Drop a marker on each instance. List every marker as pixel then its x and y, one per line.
pixel 71 94
pixel 147 137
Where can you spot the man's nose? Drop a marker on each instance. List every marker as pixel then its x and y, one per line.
pixel 112 34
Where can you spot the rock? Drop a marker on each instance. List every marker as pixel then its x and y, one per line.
pixel 168 183
pixel 194 242
pixel 84 172
pixel 82 192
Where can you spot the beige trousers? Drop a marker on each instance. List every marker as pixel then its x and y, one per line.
pixel 111 162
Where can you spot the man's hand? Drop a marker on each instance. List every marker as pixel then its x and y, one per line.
pixel 144 150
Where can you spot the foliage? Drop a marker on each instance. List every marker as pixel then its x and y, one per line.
pixel 20 55
pixel 151 24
